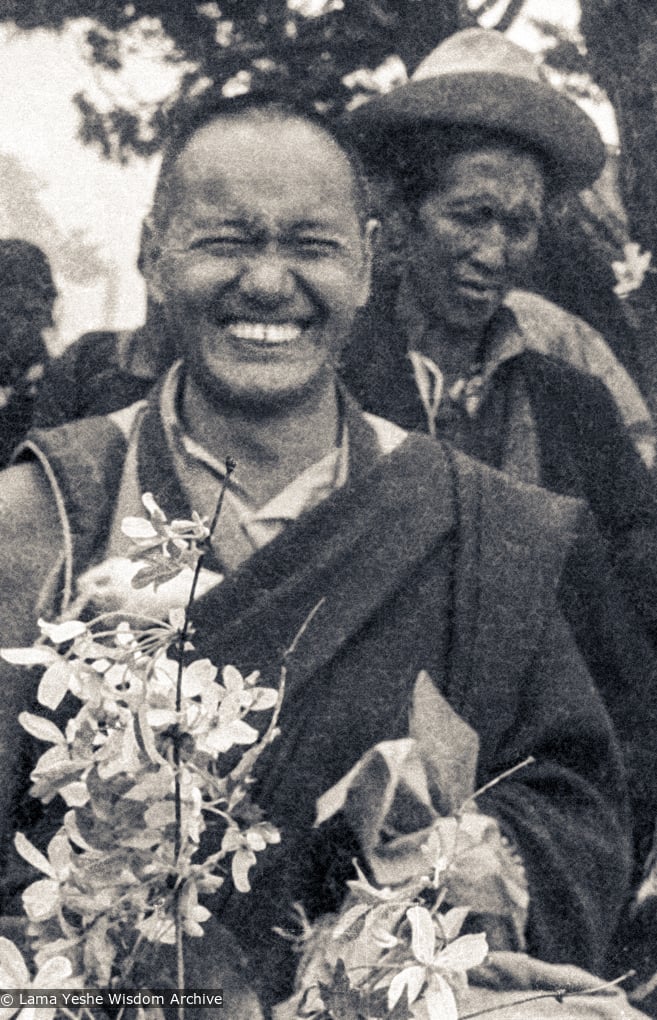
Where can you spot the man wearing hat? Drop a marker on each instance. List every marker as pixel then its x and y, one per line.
pixel 471 149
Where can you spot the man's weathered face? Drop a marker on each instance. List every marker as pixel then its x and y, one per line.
pixel 472 237
pixel 263 262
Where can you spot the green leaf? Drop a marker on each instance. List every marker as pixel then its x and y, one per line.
pixel 13 972
pixel 138 528
pixel 158 816
pixel 439 1000
pixel 153 786
pixel 408 981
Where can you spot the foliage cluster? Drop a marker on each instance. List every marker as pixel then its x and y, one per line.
pixel 154 768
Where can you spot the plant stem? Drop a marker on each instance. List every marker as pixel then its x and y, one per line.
pixel 498 779
pixel 184 633
pixel 182 641
pixel 559 994
pixel 248 760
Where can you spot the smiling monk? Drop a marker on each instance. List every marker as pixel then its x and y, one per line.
pixel 258 251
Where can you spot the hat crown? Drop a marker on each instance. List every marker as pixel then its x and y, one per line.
pixel 478 51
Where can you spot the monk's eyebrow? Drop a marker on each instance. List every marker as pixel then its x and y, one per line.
pixel 325 226
pixel 212 220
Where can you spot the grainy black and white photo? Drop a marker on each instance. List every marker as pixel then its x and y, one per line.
pixel 328 510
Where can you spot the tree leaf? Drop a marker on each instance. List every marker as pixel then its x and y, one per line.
pixel 349 919
pixel 54 973
pixel 220 740
pixel 99 953
pixel 158 816
pixel 59 853
pixel 264 699
pixel 138 528
pixel 153 786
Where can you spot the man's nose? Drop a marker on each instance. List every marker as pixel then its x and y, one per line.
pixel 492 249
pixel 267 277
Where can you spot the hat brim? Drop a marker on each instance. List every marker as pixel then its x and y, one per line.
pixel 533 112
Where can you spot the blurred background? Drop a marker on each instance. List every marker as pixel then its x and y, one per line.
pixel 83 86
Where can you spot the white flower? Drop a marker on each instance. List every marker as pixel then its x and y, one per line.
pixel 54 973
pixel 456 957
pixel 41 899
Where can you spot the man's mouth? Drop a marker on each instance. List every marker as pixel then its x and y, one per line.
pixel 267 333
pixel 478 288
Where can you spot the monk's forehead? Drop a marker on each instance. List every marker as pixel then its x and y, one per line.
pixel 239 160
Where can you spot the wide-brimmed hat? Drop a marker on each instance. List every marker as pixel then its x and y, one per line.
pixel 480 78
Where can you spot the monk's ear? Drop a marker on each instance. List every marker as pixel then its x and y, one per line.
pixel 148 262
pixel 370 233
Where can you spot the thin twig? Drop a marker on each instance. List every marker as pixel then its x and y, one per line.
pixel 642 991
pixel 182 642
pixel 559 994
pixel 498 779
pixel 248 760
pixel 304 627
pixel 184 632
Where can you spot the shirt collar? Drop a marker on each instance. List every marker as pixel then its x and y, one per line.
pixel 505 340
pixel 308 489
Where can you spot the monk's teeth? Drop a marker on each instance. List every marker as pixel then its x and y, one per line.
pixel 266 332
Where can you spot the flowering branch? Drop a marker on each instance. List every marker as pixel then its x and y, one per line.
pixel 139 768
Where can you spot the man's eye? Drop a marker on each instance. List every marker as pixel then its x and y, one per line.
pixel 479 217
pixel 218 242
pixel 316 246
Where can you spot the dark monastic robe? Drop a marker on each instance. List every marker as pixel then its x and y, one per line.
pixel 424 560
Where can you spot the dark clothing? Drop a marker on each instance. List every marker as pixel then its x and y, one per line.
pixel 23 359
pixel 466 591
pixel 583 449
pixel 102 372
